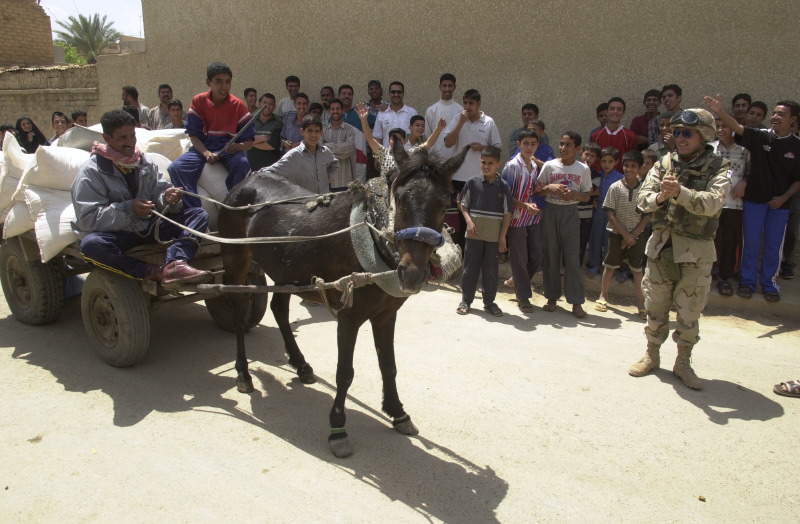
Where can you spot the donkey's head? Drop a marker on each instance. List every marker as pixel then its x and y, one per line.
pixel 421 195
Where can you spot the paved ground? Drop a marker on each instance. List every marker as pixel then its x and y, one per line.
pixel 521 420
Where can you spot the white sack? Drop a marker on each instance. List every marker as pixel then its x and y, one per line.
pixel 212 184
pixel 165 142
pixel 54 167
pixel 17 160
pixel 79 137
pixel 53 212
pixel 18 220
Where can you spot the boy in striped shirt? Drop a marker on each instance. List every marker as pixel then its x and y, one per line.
pixel 626 243
pixel 524 233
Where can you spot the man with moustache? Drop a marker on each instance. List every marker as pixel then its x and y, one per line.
pixel 267 143
pixel 340 138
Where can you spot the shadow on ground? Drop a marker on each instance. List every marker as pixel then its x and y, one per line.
pixel 722 401
pixel 181 374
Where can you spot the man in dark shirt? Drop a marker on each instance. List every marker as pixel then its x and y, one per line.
pixel 267 144
pixel 773 180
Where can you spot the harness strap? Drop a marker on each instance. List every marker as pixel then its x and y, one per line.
pixel 421 234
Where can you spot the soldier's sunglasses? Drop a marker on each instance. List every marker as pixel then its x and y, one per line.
pixel 687 133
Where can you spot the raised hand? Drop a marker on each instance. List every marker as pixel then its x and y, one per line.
pixel 714 104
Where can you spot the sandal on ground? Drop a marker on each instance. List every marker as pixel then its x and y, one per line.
pixel 790 388
pixel 578 311
pixel 642 313
pixel 463 308
pixel 772 296
pixel 744 291
pixel 601 305
pixel 724 288
pixel 509 283
pixel 550 306
pixel 493 310
pixel 525 307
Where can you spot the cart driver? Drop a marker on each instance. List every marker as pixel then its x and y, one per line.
pixel 113 195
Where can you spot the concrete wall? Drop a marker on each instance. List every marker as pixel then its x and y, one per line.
pixel 565 57
pixel 26 38
pixel 37 92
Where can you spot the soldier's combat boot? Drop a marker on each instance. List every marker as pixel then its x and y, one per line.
pixel 650 361
pixel 683 368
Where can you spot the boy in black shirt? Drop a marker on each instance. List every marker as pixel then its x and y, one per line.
pixel 773 179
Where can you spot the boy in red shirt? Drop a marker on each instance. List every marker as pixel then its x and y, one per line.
pixel 214 118
pixel 614 134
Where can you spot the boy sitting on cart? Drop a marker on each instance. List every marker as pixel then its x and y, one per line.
pixel 113 195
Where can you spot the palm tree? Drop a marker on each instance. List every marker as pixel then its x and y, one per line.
pixel 89 36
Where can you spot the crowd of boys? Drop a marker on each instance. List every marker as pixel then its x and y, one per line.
pixel 673 199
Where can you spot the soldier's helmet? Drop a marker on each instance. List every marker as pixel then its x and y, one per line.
pixel 696 118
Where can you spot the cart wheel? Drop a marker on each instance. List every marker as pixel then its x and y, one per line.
pixel 34 291
pixel 221 309
pixel 116 318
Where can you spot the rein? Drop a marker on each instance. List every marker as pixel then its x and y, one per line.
pixel 263 240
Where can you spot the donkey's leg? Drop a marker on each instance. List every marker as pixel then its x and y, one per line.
pixel 383 334
pixel 236 260
pixel 280 310
pixel 347 332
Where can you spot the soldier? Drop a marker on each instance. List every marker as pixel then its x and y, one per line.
pixel 684 192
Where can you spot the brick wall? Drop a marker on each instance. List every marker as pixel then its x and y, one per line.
pixel 27 39
pixel 37 92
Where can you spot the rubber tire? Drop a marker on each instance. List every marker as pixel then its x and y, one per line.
pixel 221 310
pixel 116 318
pixel 34 291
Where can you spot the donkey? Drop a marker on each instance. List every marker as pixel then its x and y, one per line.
pixel 419 192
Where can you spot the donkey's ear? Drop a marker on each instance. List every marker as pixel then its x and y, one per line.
pixel 452 164
pixel 399 152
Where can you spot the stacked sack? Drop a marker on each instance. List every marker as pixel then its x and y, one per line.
pixel 35 189
pixel 15 161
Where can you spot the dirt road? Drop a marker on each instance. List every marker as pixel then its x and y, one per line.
pixel 521 420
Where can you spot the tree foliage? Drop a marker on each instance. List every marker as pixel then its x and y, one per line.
pixel 71 55
pixel 88 36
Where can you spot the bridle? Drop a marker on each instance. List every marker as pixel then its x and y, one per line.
pixel 422 234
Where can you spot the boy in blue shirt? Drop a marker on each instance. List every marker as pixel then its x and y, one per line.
pixel 598 238
pixel 487 205
pixel 590 154
pixel 215 116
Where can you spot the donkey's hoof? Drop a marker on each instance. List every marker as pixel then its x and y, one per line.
pixel 245 385
pixel 405 426
pixel 340 446
pixel 306 374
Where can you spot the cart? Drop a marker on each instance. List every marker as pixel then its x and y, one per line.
pixel 115 308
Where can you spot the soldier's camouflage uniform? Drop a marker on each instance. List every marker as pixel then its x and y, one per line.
pixel 681 250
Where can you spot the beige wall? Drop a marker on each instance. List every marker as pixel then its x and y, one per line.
pixel 564 56
pixel 37 92
pixel 25 30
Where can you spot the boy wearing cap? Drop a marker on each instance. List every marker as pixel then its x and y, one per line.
pixel 684 193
